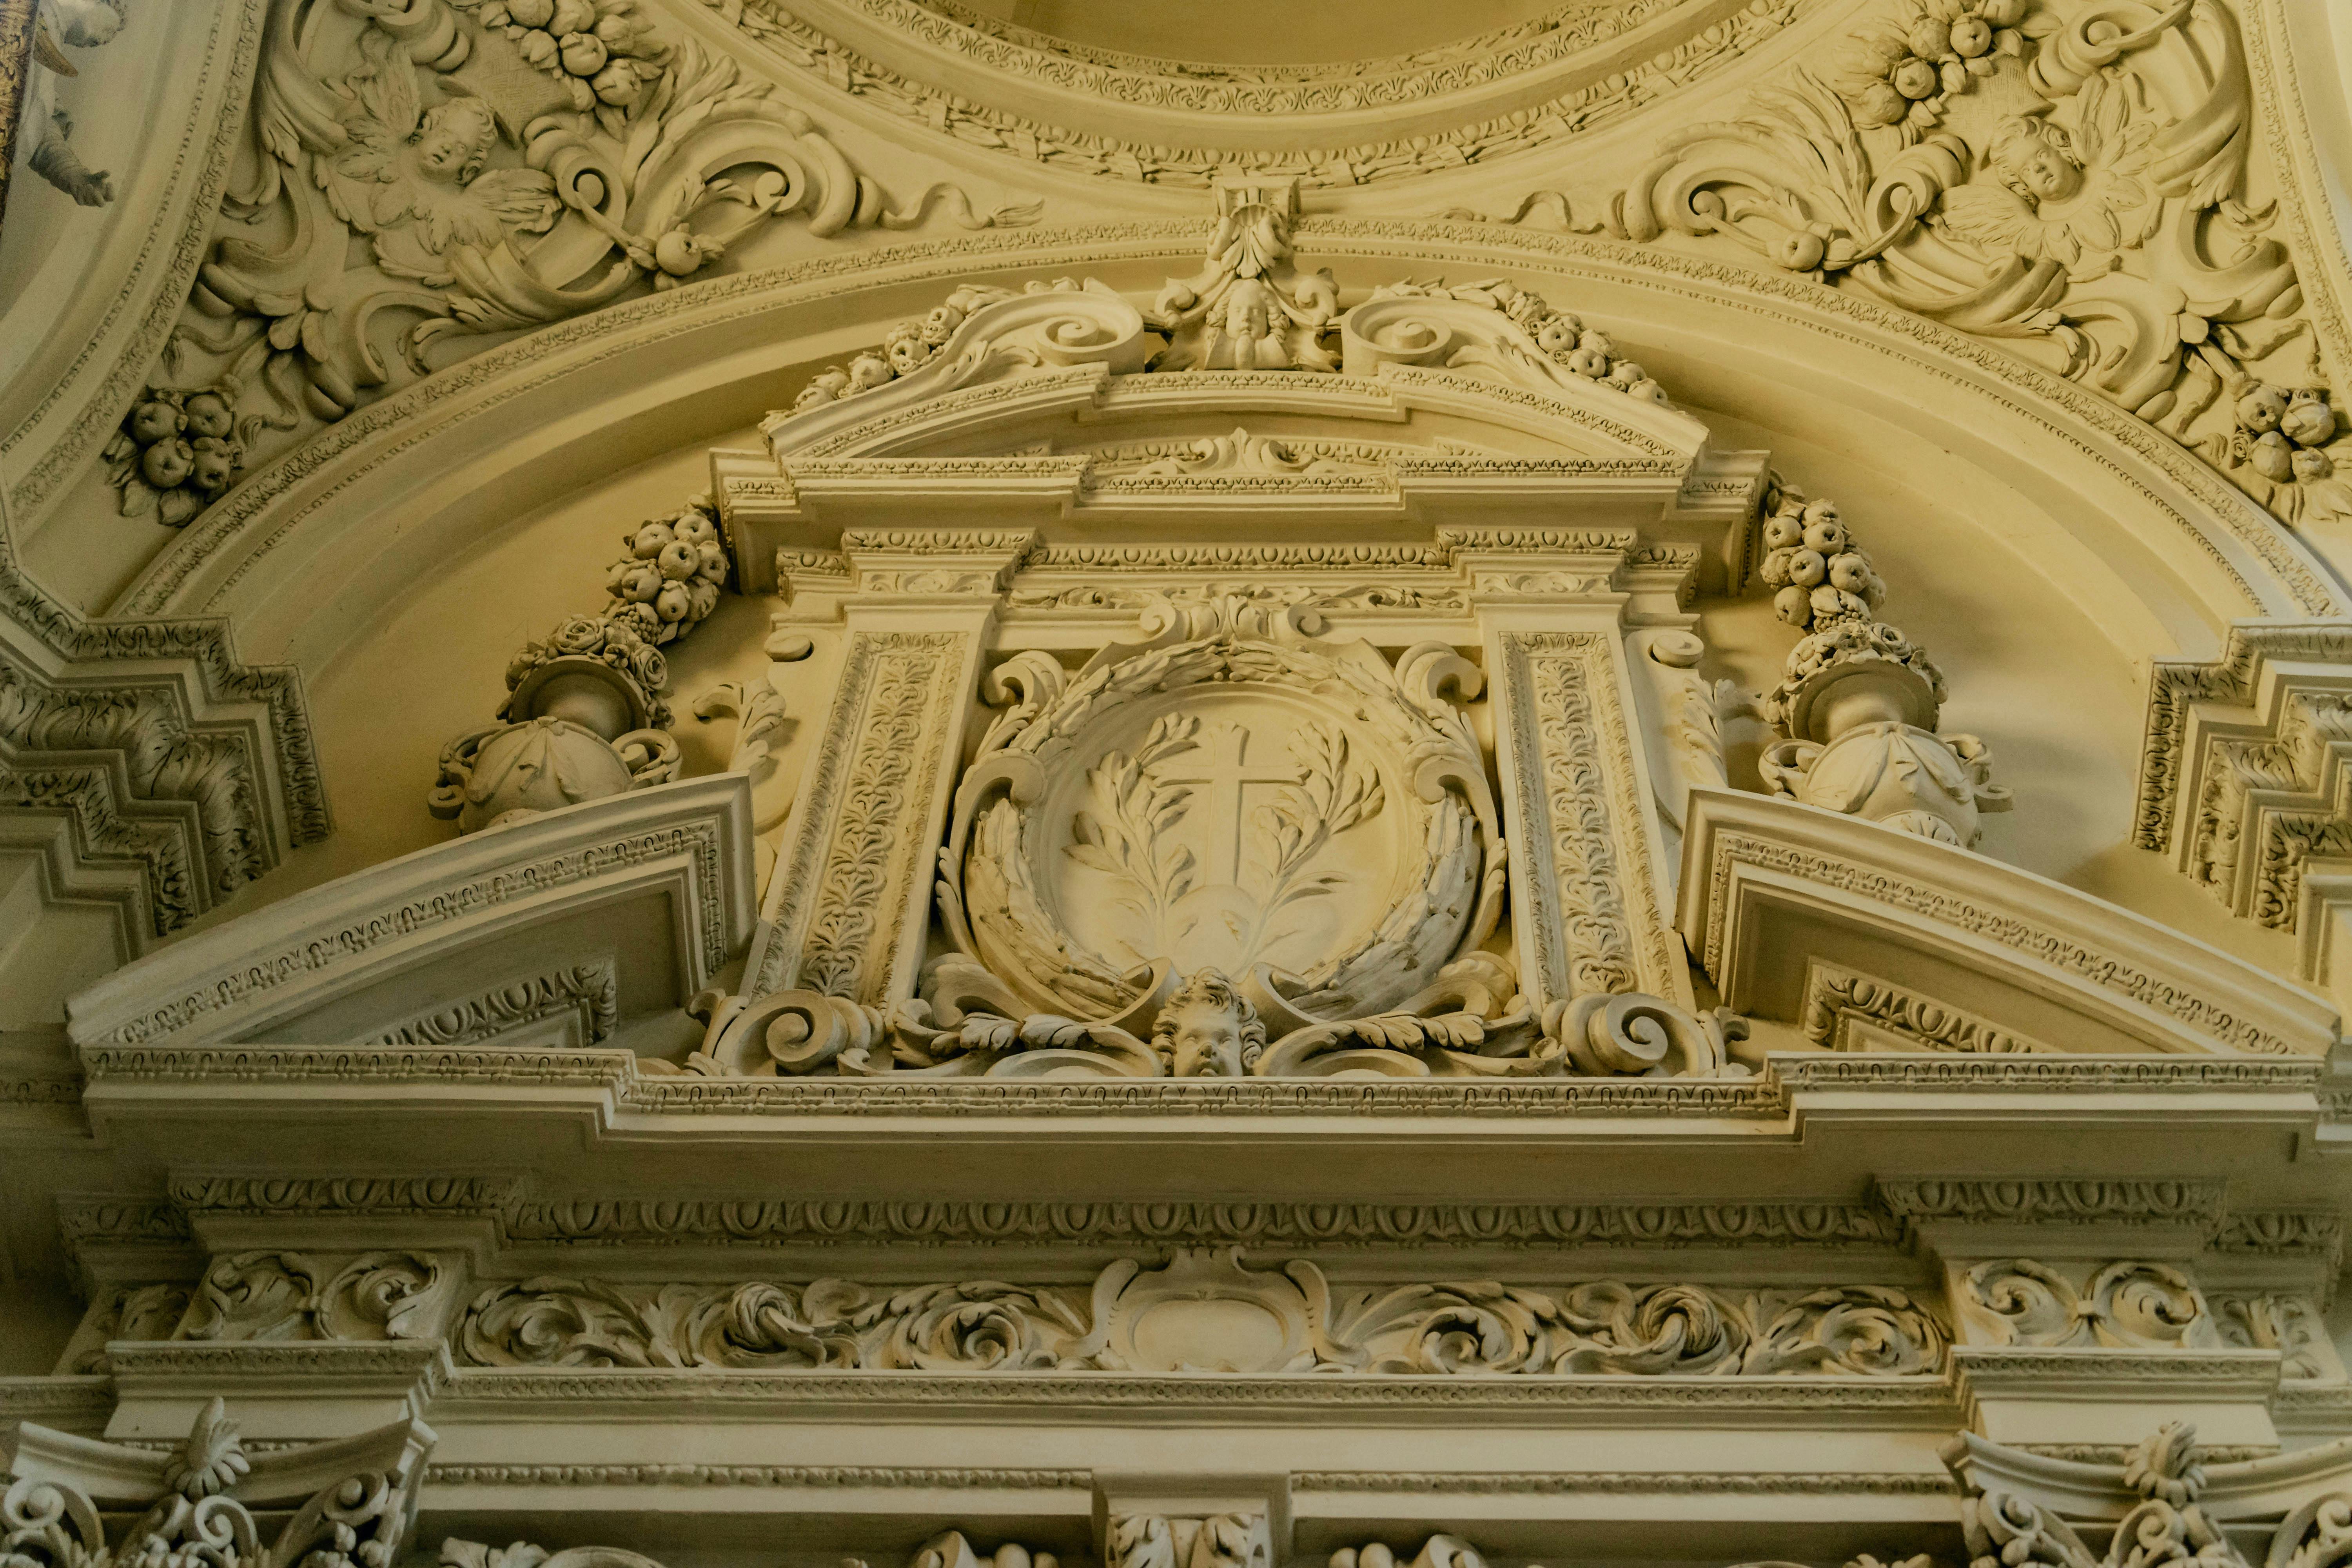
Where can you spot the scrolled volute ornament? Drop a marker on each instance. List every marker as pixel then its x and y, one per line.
pixel 209 1489
pixel 1493 329
pixel 1472 1023
pixel 785 1034
pixel 2168 1523
pixel 976 335
pixel 1628 1034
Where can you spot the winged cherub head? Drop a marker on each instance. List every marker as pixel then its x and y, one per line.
pixel 2074 194
pixel 454 140
pixel 2035 159
pixel 1207 1030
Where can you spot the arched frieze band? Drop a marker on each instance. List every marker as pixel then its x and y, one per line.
pixel 2218 550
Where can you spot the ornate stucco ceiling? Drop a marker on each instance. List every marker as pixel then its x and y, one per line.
pixel 1412 95
pixel 1240 35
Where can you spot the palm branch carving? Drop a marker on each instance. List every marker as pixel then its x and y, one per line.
pixel 1336 790
pixel 1126 834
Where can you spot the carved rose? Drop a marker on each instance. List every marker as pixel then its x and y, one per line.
pixel 578 634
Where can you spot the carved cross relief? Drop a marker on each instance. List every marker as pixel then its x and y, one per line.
pixel 1224 771
pixel 1227 838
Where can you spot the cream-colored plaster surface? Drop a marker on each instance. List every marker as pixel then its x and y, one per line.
pixel 1042 783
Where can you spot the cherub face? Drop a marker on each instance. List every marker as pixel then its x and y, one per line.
pixel 1206 1041
pixel 452 142
pixel 2047 172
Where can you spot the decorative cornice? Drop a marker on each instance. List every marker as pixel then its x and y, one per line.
pixel 165 753
pixel 2053 1200
pixel 343 1195
pixel 86 1217
pixel 1627 1483
pixel 1276 1398
pixel 2175 687
pixel 2033 1366
pixel 1439 1483
pixel 425 1362
pixel 784 1221
pixel 2283 1233
pixel 2079 1075
pixel 1745 856
pixel 760 1476
pixel 694 829
pixel 2242 770
pixel 77 1400
pixel 617 1073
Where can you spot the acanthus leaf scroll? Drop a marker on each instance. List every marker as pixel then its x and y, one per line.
pixel 1158 1317
pixel 2071 183
pixel 454 168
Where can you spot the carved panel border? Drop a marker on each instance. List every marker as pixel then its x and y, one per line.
pixel 860 845
pixel 698 841
pixel 587 993
pixel 1837 998
pixel 2032 942
pixel 1591 909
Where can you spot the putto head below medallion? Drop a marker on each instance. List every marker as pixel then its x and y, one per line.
pixel 1208 1029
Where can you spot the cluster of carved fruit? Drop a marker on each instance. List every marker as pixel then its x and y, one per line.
pixel 175 452
pixel 1820 575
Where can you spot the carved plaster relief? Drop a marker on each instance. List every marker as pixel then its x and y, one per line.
pixel 584 715
pixel 1845 1010
pixel 2121 1306
pixel 2079 192
pixel 288 1296
pixel 1202 1312
pixel 460 168
pixel 1231 795
pixel 1592 915
pixel 855 866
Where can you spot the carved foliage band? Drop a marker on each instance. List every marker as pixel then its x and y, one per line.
pixel 1156 1320
pixel 1592 904
pixel 859 846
